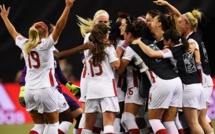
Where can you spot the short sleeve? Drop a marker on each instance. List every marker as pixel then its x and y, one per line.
pixel 20 41
pixel 111 54
pixel 166 53
pixel 128 54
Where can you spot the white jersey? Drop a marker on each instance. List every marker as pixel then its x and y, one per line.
pixel 100 78
pixel 40 63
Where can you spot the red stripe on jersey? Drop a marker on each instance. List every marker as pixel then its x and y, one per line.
pixel 151 75
pixel 114 87
pixel 135 78
pixel 200 75
pixel 119 84
pixel 85 71
pixel 51 78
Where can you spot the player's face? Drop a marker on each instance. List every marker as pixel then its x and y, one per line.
pixel 127 37
pixel 123 26
pixel 149 20
pixel 154 25
pixel 102 19
pixel 183 25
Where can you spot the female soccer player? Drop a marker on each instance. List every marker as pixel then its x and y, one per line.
pixel 40 90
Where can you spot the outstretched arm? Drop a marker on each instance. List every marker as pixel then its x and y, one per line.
pixel 147 50
pixel 62 20
pixel 171 8
pixel 4 15
pixel 69 52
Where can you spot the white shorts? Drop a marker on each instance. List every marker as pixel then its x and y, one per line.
pixel 133 96
pixel 62 103
pixel 121 95
pixel 102 105
pixel 165 93
pixel 42 100
pixel 207 91
pixel 193 96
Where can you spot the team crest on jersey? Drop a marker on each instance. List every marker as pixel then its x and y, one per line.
pixel 165 50
pixel 21 38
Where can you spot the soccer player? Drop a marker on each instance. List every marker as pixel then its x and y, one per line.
pixel 40 89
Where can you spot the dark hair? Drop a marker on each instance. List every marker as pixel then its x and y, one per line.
pixel 175 37
pixel 98 35
pixel 130 19
pixel 168 21
pixel 154 12
pixel 136 28
pixel 115 33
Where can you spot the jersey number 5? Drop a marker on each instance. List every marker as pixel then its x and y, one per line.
pixel 34 56
pixel 95 66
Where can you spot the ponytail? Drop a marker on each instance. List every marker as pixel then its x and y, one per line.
pixel 34 38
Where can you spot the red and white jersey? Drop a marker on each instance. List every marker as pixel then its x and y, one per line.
pixel 39 62
pixel 100 78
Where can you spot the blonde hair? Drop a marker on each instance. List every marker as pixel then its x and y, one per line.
pixel 34 38
pixel 193 18
pixel 86 25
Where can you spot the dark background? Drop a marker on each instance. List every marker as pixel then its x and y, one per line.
pixel 24 13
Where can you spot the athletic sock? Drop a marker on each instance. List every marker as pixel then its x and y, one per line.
pixel 170 127
pixel 64 127
pixel 157 126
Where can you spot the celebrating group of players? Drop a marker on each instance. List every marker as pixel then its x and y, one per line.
pixel 141 75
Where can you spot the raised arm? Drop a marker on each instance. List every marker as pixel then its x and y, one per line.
pixel 171 8
pixel 62 20
pixel 4 15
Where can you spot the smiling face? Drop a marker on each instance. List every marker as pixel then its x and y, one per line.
pixel 182 25
pixel 154 25
pixel 123 27
pixel 149 20
pixel 102 19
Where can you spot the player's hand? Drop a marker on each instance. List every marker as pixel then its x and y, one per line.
pixel 88 45
pixel 74 89
pixel 136 41
pixel 160 2
pixel 4 12
pixel 22 96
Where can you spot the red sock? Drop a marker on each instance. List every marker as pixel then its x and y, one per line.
pixel 187 131
pixel 97 130
pixel 79 130
pixel 211 124
pixel 33 132
pixel 133 131
pixel 181 131
pixel 161 131
pixel 108 133
pixel 60 132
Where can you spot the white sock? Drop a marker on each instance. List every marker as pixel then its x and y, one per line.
pixel 116 125
pixel 108 129
pixel 170 127
pixel 65 126
pixel 129 121
pixel 51 128
pixel 39 128
pixel 86 131
pixel 156 125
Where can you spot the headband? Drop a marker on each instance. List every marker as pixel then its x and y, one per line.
pixel 141 18
pixel 185 17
